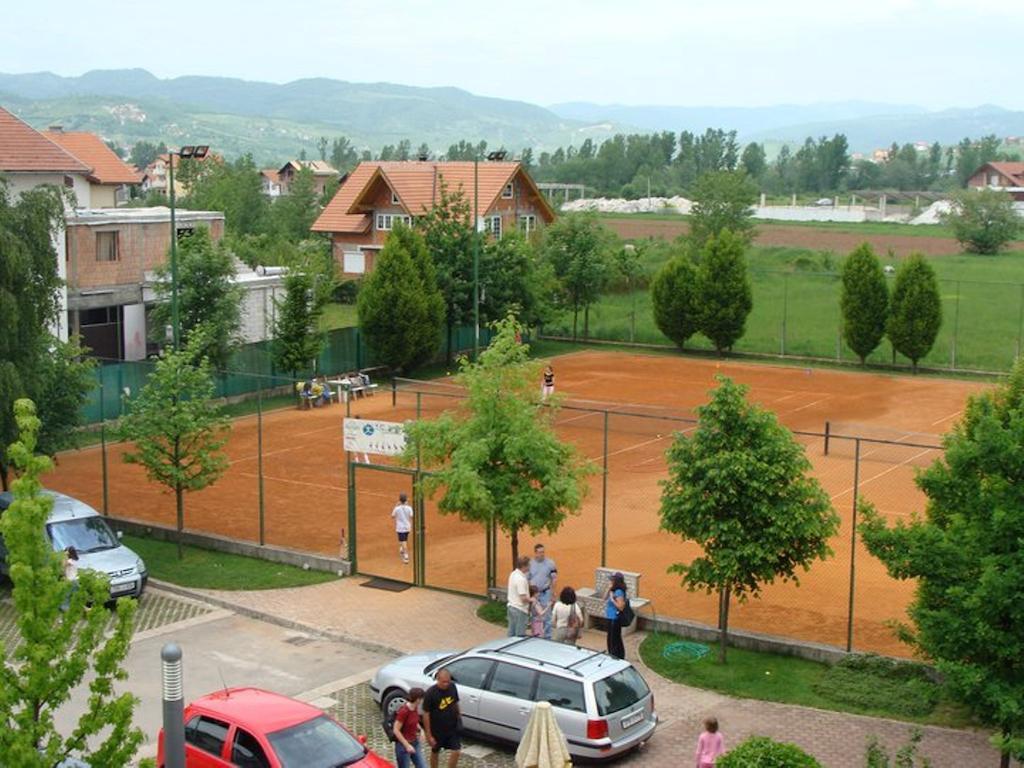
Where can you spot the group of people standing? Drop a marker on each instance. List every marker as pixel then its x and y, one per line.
pixel 440 723
pixel 531 612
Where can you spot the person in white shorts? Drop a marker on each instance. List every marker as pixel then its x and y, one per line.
pixel 402 514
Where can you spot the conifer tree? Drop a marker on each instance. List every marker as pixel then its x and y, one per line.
pixel 864 302
pixel 915 311
pixel 675 300
pixel 724 295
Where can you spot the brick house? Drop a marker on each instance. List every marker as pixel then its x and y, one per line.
pixel 1006 176
pixel 377 194
pixel 323 173
pixel 110 176
pixel 156 175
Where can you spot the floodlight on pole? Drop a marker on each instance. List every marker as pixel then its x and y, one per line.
pixel 197 152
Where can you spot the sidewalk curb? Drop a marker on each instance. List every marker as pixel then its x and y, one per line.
pixel 272 618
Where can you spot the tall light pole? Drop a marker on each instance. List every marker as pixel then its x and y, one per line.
pixel 476 257
pixel 198 152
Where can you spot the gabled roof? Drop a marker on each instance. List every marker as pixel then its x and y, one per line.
pixel 319 167
pixel 418 186
pixel 1013 171
pixel 24 149
pixel 271 174
pixel 107 167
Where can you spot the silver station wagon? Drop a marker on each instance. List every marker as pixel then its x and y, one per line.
pixel 601 703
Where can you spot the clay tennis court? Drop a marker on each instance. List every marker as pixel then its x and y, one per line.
pixel 305 493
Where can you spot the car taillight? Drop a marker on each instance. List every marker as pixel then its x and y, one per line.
pixel 597 729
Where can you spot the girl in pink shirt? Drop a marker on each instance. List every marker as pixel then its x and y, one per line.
pixel 709 745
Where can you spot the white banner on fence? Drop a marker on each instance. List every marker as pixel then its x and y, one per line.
pixel 386 438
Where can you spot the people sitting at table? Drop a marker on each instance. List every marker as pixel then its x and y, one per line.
pixel 325 391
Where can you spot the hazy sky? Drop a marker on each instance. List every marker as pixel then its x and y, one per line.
pixel 937 53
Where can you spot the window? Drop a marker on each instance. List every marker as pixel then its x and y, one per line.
pixel 560 692
pixel 385 221
pixel 471 673
pixel 69 182
pixel 394 198
pixel 507 191
pixel 247 752
pixel 527 223
pixel 618 691
pixel 492 225
pixel 354 262
pixel 308 744
pixel 207 734
pixel 184 232
pixel 511 680
pixel 106 246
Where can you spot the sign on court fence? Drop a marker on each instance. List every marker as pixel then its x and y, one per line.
pixel 386 438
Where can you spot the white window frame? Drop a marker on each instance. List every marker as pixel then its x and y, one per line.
pixel 492 225
pixel 394 198
pixel 354 262
pixel 386 221
pixel 508 192
pixel 527 223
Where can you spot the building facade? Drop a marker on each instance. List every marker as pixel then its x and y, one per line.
pixel 1005 176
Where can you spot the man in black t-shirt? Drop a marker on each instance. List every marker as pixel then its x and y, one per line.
pixel 441 719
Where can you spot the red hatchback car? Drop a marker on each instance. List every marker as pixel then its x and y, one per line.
pixel 252 728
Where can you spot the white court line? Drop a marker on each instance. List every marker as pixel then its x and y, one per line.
pixel 563 422
pixel 787 397
pixel 286 450
pixel 627 448
pixel 802 407
pixel 946 418
pixel 295 482
pixel 862 483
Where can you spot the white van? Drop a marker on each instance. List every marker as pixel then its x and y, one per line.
pixel 73 523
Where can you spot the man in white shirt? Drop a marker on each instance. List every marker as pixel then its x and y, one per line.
pixel 402 514
pixel 518 608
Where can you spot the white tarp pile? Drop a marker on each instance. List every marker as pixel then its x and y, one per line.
pixel 620 205
pixel 933 213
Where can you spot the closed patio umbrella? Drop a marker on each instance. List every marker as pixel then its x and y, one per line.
pixel 543 745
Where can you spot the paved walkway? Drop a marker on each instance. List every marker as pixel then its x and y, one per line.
pixel 419 619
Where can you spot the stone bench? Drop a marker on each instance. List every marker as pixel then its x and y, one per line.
pixel 593 600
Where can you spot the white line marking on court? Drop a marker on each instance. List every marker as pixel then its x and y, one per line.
pixel 574 418
pixel 802 407
pixel 946 418
pixel 882 474
pixel 286 450
pixel 787 397
pixel 628 448
pixel 294 482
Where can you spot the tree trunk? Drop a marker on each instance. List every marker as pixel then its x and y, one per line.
pixel 723 622
pixel 575 315
pixel 3 477
pixel 514 537
pixel 586 322
pixel 1004 760
pixel 179 503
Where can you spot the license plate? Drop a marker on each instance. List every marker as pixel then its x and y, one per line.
pixel 117 589
pixel 630 720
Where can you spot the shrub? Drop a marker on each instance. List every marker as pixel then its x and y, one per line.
pixel 762 752
pixel 868 682
pixel 345 292
pixel 983 221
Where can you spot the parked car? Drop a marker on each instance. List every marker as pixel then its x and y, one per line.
pixel 254 728
pixel 73 523
pixel 601 703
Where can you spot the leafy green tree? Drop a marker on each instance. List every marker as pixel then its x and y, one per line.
pixel 448 231
pixel 498 459
pixel 984 220
pixel 864 301
pixel 915 309
pixel 722 200
pixel 207 297
pixel 297 337
pixel 754 161
pixel 740 487
pixel 234 188
pixel 64 379
pixel 400 308
pixel 293 214
pixel 176 428
pixel 676 301
pixel 724 295
pixel 145 152
pixel 59 641
pixel 577 247
pixel 344 156
pixel 762 752
pixel 967 555
pixel 514 280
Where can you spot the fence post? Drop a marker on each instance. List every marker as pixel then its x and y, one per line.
pixel 420 552
pixel 1020 319
pixel 828 430
pixel 604 497
pixel 956 326
pixel 259 458
pixel 352 515
pixel 103 448
pixel 785 311
pixel 853 544
pixel 394 391
pixel 419 403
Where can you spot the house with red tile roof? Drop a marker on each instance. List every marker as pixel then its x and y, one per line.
pixel 156 175
pixel 377 194
pixel 109 177
pixel 1006 176
pixel 323 174
pixel 271 182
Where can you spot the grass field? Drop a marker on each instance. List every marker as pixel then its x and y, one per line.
pixel 338 316
pixel 796 310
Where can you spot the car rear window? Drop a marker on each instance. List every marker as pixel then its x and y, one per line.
pixel 620 690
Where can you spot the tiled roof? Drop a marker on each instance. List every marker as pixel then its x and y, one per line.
pixel 271 174
pixel 23 148
pixel 1013 171
pixel 107 167
pixel 319 167
pixel 418 186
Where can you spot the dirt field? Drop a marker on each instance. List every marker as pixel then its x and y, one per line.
pixel 797 237
pixel 305 496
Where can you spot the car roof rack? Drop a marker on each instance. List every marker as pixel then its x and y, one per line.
pixel 504 649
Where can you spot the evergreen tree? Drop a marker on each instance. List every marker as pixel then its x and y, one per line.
pixel 740 487
pixel 915 309
pixel 400 309
pixel 675 300
pixel 864 302
pixel 723 290
pixel 297 338
pixel 59 639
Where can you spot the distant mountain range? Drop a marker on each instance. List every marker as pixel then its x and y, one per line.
pixel 275 122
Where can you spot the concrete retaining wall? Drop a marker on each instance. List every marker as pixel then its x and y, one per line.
pixel 234 547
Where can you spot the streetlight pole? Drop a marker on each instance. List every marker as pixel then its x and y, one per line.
pixel 198 152
pixel 476 257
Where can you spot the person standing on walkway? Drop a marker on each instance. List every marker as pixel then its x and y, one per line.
pixel 518 608
pixel 543 573
pixel 402 514
pixel 566 618
pixel 407 732
pixel 615 603
pixel 547 387
pixel 710 744
pixel 441 719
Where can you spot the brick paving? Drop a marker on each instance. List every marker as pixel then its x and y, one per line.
pixel 419 619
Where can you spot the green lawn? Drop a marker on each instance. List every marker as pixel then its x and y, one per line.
pixel 871 686
pixel 494 612
pixel 338 316
pixel 207 569
pixel 796 310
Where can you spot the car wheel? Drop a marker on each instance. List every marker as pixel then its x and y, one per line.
pixel 393 701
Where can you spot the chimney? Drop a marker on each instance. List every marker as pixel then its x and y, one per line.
pixel 58 128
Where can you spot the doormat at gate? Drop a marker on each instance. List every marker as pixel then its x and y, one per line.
pixel 388 585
